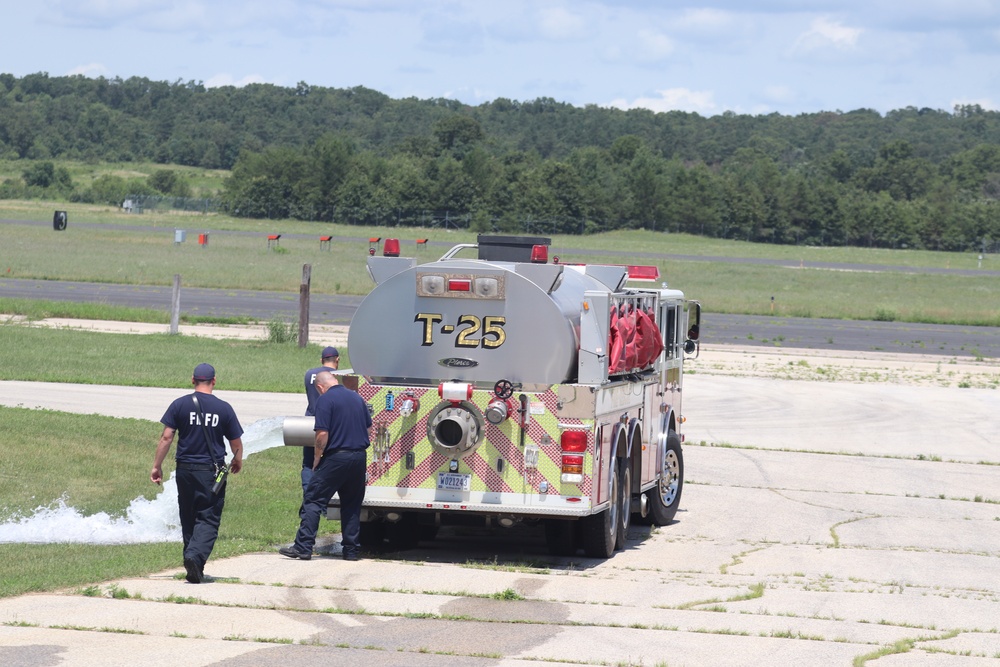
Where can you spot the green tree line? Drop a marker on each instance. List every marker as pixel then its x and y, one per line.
pixel 913 177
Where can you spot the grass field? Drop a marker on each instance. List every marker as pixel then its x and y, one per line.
pixel 154 360
pixel 140 249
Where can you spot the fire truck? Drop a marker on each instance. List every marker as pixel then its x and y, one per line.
pixel 505 388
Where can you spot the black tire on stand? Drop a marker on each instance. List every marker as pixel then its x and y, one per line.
pixel 665 497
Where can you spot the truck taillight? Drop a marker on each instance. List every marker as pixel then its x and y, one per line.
pixel 459 285
pixel 455 391
pixel 572 468
pixel 574 445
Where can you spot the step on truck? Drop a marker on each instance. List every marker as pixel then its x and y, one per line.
pixel 505 388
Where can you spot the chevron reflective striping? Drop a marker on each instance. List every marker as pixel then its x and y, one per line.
pixel 487 473
pixel 501 442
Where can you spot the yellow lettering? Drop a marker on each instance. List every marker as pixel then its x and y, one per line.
pixel 428 319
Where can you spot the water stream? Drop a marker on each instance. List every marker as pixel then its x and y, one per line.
pixel 155 520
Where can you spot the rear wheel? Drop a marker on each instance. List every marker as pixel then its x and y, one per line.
pixel 599 532
pixel 624 502
pixel 665 497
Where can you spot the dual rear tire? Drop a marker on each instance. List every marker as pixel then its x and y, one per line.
pixel 601 534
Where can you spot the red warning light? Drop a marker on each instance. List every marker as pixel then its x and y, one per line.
pixel 645 273
pixel 391 248
pixel 539 254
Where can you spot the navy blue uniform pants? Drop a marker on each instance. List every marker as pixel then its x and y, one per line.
pixel 201 512
pixel 307 474
pixel 340 471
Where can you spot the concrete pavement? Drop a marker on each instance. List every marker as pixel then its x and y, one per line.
pixel 822 522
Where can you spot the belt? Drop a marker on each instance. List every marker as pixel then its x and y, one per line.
pixel 345 450
pixel 181 465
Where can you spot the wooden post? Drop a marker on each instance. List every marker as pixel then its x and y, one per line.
pixel 304 305
pixel 175 304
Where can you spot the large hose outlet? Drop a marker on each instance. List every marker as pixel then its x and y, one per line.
pixel 298 431
pixel 455 428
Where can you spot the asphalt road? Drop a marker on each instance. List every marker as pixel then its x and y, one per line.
pixel 718 328
pixel 263 306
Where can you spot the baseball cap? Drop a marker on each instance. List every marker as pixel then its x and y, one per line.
pixel 204 372
pixel 330 352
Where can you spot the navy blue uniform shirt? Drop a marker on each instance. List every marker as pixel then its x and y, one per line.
pixel 220 419
pixel 344 415
pixel 312 393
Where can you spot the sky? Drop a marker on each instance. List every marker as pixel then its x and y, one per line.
pixel 743 56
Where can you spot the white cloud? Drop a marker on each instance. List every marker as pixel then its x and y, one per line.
pixel 90 70
pixel 152 14
pixel 672 99
pixel 984 102
pixel 704 21
pixel 779 94
pixel 226 79
pixel 654 46
pixel 560 24
pixel 825 33
pixel 460 37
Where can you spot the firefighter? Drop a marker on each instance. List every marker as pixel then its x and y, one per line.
pixel 339 462
pixel 330 360
pixel 201 420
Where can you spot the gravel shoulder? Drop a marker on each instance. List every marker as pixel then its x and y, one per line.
pixel 921 370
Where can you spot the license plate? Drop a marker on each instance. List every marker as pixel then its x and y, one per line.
pixel 453 481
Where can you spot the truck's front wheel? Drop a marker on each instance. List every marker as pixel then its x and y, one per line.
pixel 665 497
